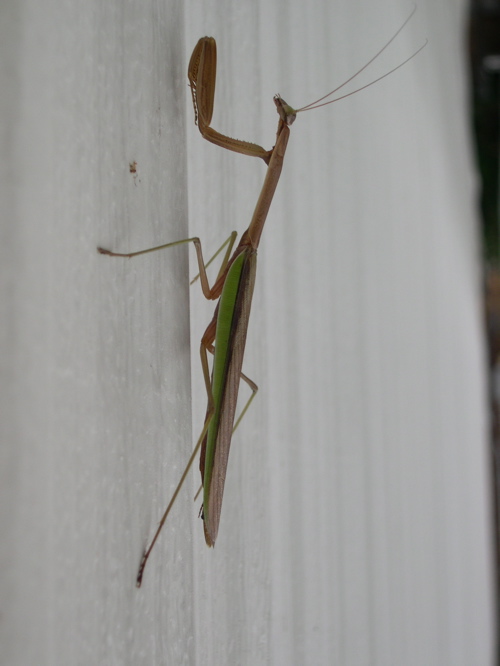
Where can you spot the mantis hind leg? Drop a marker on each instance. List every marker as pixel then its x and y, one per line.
pixel 207 346
pixel 254 388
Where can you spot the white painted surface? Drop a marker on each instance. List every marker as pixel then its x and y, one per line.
pixel 356 525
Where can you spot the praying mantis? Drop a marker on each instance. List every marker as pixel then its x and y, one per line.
pixel 225 336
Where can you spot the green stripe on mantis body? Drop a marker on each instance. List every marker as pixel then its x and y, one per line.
pixel 232 324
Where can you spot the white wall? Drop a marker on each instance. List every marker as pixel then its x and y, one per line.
pixel 356 528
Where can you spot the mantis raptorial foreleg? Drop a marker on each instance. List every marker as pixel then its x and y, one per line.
pixel 202 72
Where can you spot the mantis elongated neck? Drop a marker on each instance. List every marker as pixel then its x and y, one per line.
pixel 269 186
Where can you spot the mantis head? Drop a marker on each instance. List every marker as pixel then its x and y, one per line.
pixel 286 112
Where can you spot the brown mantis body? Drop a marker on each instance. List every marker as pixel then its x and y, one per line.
pixel 225 336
